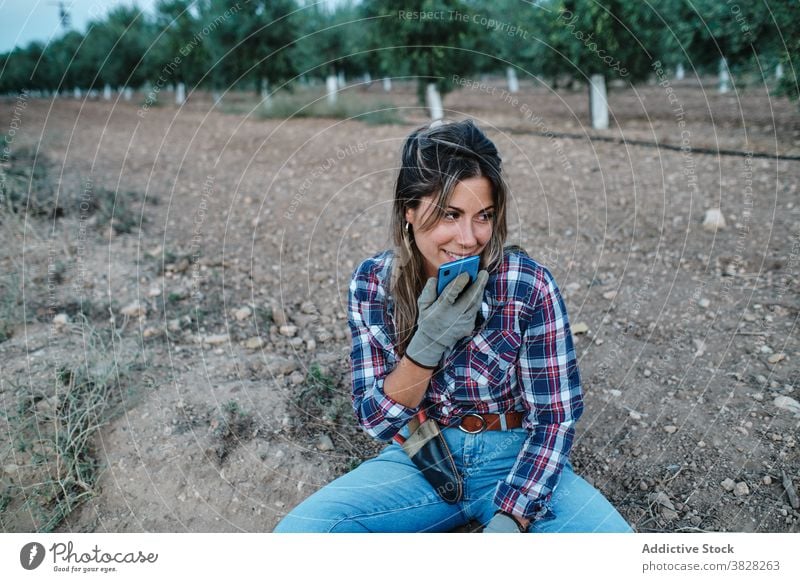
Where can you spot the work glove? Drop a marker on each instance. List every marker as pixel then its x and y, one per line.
pixel 444 320
pixel 502 523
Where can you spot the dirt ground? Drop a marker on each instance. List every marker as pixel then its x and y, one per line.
pixel 228 294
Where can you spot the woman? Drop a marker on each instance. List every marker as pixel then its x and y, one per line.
pixel 492 361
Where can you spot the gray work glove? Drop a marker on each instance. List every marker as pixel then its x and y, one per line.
pixel 502 523
pixel 444 320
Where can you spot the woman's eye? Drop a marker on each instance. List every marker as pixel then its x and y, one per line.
pixel 486 217
pixel 450 215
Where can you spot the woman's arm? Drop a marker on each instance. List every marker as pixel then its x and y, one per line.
pixel 549 381
pixel 387 391
pixel 442 321
pixel 372 362
pixel 407 383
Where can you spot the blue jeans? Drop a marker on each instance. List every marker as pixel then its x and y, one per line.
pixel 389 494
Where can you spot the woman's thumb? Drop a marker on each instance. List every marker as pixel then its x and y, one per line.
pixel 428 295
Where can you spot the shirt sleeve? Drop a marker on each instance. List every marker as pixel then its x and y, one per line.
pixel 547 371
pixel 371 360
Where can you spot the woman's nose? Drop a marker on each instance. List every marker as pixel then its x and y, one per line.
pixel 466 236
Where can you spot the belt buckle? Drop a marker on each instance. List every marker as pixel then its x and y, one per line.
pixel 480 430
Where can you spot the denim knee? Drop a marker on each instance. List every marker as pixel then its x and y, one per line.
pixel 294 523
pixel 318 515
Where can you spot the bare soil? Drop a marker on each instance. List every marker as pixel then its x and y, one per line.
pixel 237 227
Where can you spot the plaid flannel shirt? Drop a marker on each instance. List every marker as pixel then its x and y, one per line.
pixel 520 358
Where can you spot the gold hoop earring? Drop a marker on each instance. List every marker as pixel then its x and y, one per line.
pixel 407 238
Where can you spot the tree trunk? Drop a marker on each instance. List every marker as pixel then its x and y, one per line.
pixel 266 98
pixel 724 76
pixel 679 72
pixel 387 84
pixel 107 92
pixel 513 83
pixel 434 102
pixel 180 94
pixel 331 86
pixel 598 102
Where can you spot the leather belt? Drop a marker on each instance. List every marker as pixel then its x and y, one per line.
pixel 474 423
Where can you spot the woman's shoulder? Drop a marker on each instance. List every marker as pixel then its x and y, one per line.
pixel 375 266
pixel 521 275
pixel 518 264
pixel 372 274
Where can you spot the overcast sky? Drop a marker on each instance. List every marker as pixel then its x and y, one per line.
pixel 22 21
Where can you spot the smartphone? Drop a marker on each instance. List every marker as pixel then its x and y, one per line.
pixel 453 269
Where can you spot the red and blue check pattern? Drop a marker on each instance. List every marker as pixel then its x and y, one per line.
pixel 520 358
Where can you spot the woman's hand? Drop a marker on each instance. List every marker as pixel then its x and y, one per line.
pixel 444 320
pixel 505 523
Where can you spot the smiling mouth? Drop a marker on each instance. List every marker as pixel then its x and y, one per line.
pixel 455 257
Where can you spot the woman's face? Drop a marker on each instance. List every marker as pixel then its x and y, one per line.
pixel 464 230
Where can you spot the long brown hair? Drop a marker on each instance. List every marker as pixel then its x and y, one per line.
pixel 435 159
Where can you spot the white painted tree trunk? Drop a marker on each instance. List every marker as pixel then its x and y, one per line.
pixel 217 97
pixel 107 92
pixel 367 79
pixel 434 102
pixel 342 80
pixel 387 84
pixel 331 87
pixel 779 71
pixel 513 83
pixel 724 76
pixel 679 72
pixel 180 94
pixel 149 96
pixel 598 102
pixel 266 98
pixel 127 93
pixel 76 93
